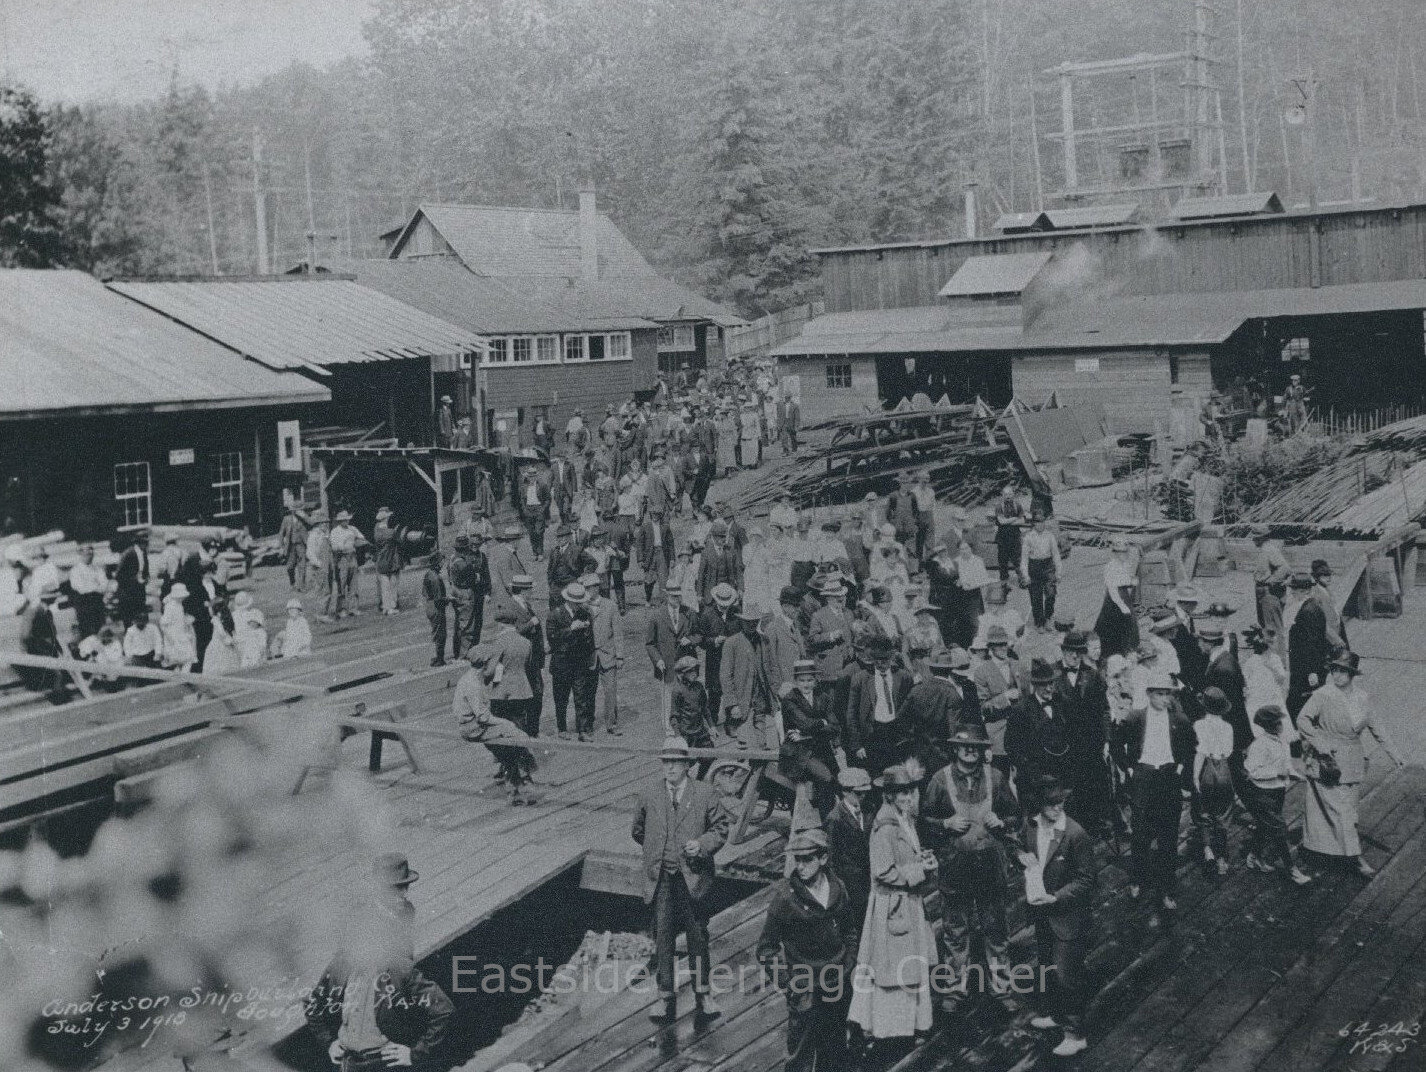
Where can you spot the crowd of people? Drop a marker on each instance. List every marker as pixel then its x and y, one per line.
pixel 926 743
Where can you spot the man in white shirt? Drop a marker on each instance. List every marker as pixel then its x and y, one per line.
pixel 319 566
pixel 1040 569
pixel 1159 745
pixel 87 583
pixel 343 539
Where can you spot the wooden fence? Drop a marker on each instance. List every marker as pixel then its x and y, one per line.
pixel 1360 422
pixel 767 331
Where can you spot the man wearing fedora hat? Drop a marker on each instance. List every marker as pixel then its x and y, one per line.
pixel 876 729
pixel 809 948
pixel 681 824
pixel 940 704
pixel 386 538
pixel 713 625
pixel 829 635
pixel 1038 736
pixel 1001 683
pixel 503 562
pixel 669 633
pixel 573 671
pixel 810 736
pixel 1086 706
pixel 967 815
pixel 344 539
pixel 470 582
pixel 1062 854
pixel 746 681
pixel 565 562
pixel 373 1009
pixel 1159 747
pixel 722 561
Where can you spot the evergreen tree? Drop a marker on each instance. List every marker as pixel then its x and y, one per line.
pixel 29 202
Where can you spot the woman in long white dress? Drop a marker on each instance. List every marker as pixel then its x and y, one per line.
pixel 221 654
pixel 1332 723
pixel 250 631
pixel 180 645
pixel 757 584
pixel 727 426
pixel 892 990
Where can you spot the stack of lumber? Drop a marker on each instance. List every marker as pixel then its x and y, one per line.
pixel 1325 495
pixel 958 446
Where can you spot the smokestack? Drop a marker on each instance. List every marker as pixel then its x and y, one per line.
pixel 972 218
pixel 588 242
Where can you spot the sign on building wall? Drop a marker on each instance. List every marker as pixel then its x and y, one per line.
pixel 1086 364
pixel 289 446
pixel 181 456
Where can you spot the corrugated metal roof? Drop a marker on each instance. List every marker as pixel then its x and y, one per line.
pixel 1065 219
pixel 444 288
pixel 1021 222
pixel 1206 208
pixel 1006 273
pixel 307 321
pixel 71 345
pixel 510 242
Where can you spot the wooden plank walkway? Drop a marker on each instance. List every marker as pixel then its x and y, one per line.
pixel 1256 976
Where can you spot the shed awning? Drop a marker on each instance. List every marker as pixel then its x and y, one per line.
pixel 1006 273
pixel 1207 208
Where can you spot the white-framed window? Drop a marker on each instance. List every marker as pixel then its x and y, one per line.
pixel 522 349
pixel 226 475
pixel 839 377
pixel 133 491
pixel 547 349
pixel 499 351
pixel 619 347
pixel 676 337
pixel 575 348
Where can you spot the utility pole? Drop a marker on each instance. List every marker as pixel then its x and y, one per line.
pixel 1035 151
pixel 311 215
pixel 212 233
pixel 260 206
pixel 1243 110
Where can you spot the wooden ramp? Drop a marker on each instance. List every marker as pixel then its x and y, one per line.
pixel 1258 975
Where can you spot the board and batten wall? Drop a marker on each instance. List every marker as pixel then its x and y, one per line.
pixel 1135 387
pixel 1267 252
pixel 818 400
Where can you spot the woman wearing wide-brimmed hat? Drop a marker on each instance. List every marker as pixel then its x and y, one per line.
pixel 892 996
pixel 1332 723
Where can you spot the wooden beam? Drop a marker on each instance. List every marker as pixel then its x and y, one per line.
pixel 141 673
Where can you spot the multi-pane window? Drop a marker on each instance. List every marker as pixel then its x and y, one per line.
pixel 499 351
pixel 521 350
pixel 678 337
pixel 839 376
pixel 547 349
pixel 618 349
pixel 226 469
pixel 1299 349
pixel 133 493
pixel 574 347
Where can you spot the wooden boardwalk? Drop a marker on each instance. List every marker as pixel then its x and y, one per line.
pixel 1257 975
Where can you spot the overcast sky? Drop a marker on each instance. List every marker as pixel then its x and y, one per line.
pixel 90 50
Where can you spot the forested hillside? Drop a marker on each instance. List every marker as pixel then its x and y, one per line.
pixel 726 137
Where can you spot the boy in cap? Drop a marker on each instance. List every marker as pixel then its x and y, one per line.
pixel 849 835
pixel 688 708
pixel 681 824
pixel 809 947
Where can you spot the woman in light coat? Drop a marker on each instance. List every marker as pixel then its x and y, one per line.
pixel 892 989
pixel 221 655
pixel 1332 723
pixel 180 645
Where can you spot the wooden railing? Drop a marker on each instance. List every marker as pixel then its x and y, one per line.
pixel 1360 422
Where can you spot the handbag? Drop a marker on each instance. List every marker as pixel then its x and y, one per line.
pixel 1321 767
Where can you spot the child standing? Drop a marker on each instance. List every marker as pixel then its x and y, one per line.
pixel 1212 780
pixel 1270 770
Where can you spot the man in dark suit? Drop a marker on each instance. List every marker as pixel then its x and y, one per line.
pixel 713 625
pixel 132 577
pixel 1308 646
pixel 669 633
pixel 535 509
pixel 681 825
pixel 1037 731
pixel 722 561
pixel 940 705
pixel 566 559
pixel 1224 672
pixel 1086 700
pixel 563 484
pixel 570 632
pixel 1063 854
pixel 1159 746
pixel 877 729
pixel 653 544
pixel 377 1011
pixel 849 836
pixel 527 624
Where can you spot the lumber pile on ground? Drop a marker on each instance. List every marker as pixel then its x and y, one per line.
pixel 958 446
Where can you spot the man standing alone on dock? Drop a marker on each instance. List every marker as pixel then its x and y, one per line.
pixel 681 825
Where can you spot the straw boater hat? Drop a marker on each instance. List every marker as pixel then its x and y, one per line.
pixel 685 663
pixel 854 778
pixel 522 580
pixel 575 593
pixel 724 595
pixel 511 532
pixel 294 603
pixel 1161 681
pixel 804 668
pixel 675 748
pixel 996 634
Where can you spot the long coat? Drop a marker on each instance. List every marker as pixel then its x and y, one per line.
pixel 658 827
pixel 898 946
pixel 849 850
